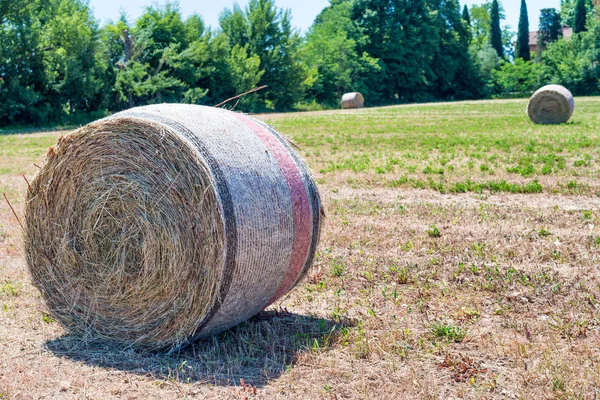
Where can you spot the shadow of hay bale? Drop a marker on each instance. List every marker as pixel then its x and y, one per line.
pixel 256 351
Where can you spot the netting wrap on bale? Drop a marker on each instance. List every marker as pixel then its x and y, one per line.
pixel 551 104
pixel 167 223
pixel 353 100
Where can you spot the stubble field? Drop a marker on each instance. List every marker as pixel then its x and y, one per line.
pixel 460 258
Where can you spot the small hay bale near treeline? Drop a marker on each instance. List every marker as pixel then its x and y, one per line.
pixel 551 104
pixel 164 224
pixel 353 100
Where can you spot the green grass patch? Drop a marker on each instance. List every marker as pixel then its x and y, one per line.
pixel 10 289
pixel 468 185
pixel 463 142
pixel 448 330
pixel 434 232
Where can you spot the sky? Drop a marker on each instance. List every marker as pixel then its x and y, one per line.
pixel 512 9
pixel 303 11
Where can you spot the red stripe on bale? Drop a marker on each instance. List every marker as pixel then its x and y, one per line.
pixel 300 204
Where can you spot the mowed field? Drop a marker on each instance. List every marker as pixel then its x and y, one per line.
pixel 460 258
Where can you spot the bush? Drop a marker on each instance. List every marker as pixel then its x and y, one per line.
pixel 520 77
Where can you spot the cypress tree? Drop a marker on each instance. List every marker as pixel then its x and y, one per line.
pixel 465 15
pixel 580 16
pixel 523 34
pixel 495 32
pixel 463 30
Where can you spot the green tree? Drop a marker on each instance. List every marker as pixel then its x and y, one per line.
pixel 330 54
pixel 523 34
pixel 143 75
pixel 164 58
pixel 22 78
pixel 481 27
pixel 422 47
pixel 50 68
pixel 71 46
pixel 574 63
pixel 518 77
pixel 402 37
pixel 454 68
pixel 233 71
pixel 580 16
pixel 495 31
pixel 550 28
pixel 465 15
pixel 488 60
pixel 267 32
pixel 567 11
pixel 467 19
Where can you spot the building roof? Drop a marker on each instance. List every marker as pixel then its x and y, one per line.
pixel 567 32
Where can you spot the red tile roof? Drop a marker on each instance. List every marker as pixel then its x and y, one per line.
pixel 567 32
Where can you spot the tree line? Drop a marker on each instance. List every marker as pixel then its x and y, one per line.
pixel 58 65
pixel 568 50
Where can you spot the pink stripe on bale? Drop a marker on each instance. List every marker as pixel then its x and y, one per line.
pixel 300 204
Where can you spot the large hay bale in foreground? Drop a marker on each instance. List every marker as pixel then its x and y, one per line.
pixel 167 223
pixel 551 104
pixel 353 100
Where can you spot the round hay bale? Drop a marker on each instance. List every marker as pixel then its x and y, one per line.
pixel 353 100
pixel 551 104
pixel 164 224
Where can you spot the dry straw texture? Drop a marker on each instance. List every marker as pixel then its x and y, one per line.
pixel 353 100
pixel 164 224
pixel 552 104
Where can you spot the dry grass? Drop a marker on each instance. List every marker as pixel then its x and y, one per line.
pixel 416 293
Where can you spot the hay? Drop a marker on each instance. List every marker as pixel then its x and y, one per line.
pixel 353 100
pixel 167 223
pixel 552 104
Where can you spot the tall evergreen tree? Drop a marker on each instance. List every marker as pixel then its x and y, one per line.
pixel 456 75
pixel 523 34
pixel 568 7
pixel 465 15
pixel 580 16
pixel 399 31
pixel 422 47
pixel 495 31
pixel 550 28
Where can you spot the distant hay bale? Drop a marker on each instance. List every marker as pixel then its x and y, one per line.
pixel 353 100
pixel 551 104
pixel 164 224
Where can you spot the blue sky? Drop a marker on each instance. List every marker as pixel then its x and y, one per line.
pixel 303 11
pixel 512 9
